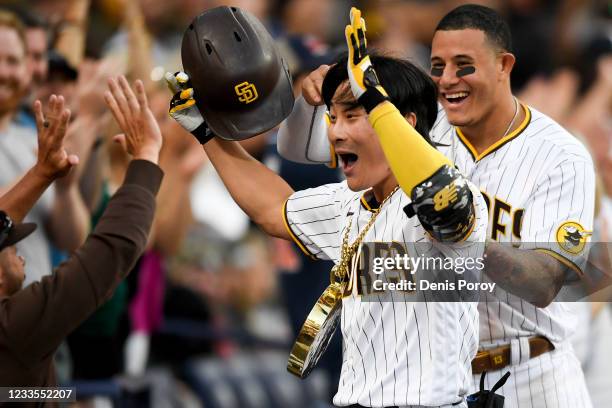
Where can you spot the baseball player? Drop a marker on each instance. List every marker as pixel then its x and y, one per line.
pixel 538 182
pixel 396 353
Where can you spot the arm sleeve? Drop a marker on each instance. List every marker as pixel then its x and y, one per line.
pixel 313 219
pixel 411 158
pixel 302 137
pixel 40 316
pixel 558 219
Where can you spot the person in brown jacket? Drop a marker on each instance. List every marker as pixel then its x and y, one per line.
pixel 34 320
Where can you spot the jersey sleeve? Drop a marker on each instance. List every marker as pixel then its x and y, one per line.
pixel 302 137
pixel 312 218
pixel 558 219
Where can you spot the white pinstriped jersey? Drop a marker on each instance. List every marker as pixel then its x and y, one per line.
pixel 539 184
pixel 395 353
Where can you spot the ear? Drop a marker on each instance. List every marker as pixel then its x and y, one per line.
pixel 507 61
pixel 411 118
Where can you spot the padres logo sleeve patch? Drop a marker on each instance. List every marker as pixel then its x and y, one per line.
pixel 572 237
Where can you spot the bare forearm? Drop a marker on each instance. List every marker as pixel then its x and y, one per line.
pixel 592 108
pixel 92 180
pixel 69 223
pixel 173 216
pixel 256 189
pixel 21 197
pixel 71 39
pixel 531 275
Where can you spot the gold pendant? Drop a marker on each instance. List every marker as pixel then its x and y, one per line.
pixel 317 331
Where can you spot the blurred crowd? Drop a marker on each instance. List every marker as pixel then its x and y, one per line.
pixel 211 310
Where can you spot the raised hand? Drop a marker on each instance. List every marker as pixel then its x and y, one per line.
pixel 141 135
pixel 183 107
pixel 364 83
pixel 312 84
pixel 53 159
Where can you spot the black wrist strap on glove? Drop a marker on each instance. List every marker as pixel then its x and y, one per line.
pixel 488 399
pixel 372 97
pixel 203 133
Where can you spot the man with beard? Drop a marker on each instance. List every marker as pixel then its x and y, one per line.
pixel 36 38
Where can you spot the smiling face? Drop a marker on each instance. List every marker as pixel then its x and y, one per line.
pixel 469 99
pixel 361 156
pixel 36 39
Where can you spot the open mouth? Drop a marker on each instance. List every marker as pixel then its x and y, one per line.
pixel 456 98
pixel 348 160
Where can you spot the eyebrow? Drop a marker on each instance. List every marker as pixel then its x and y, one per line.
pixel 345 106
pixel 454 57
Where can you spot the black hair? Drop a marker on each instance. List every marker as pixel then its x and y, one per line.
pixel 409 88
pixel 480 18
pixel 29 18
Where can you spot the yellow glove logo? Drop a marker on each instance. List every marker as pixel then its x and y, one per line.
pixel 445 196
pixel 246 92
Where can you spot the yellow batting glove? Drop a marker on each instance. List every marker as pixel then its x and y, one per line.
pixel 364 83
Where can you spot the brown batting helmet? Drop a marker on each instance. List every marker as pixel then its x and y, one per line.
pixel 241 84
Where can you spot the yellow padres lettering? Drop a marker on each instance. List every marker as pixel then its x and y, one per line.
pixel 445 196
pixel 246 92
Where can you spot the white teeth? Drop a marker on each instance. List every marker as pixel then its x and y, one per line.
pixel 456 95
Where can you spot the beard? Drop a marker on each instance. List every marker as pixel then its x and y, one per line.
pixel 11 95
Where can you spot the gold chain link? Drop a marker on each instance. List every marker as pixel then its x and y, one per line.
pixel 340 271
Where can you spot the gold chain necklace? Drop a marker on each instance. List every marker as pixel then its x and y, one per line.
pixel 341 271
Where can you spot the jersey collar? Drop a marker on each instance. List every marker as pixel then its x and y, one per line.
pixel 368 201
pixel 495 146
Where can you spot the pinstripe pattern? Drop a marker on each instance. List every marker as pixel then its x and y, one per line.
pixel 548 175
pixel 395 352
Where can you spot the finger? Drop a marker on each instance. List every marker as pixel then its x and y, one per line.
pixel 318 86
pixel 183 80
pixel 141 94
pixel 358 24
pixel 131 98
pixel 51 116
pixel 186 94
pixel 355 15
pixel 322 70
pixel 353 47
pixel 120 139
pixel 362 42
pixel 59 132
pixel 38 114
pixel 360 30
pixel 73 160
pixel 51 106
pixel 172 83
pixel 115 110
pixel 58 110
pixel 310 94
pixel 120 99
pixel 350 43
